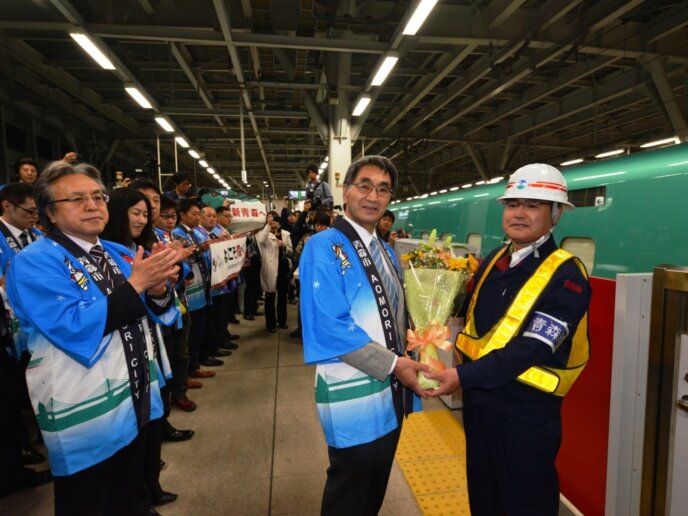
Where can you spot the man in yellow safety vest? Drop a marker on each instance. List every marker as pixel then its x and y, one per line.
pixel 524 342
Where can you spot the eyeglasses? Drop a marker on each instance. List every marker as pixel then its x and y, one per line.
pixel 83 200
pixel 528 204
pixel 31 211
pixel 365 188
pixel 168 216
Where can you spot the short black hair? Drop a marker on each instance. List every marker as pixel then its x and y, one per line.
pixel 145 184
pixel 180 177
pixel 24 161
pixel 222 209
pixel 377 161
pixel 322 217
pixel 166 203
pixel 15 193
pixel 312 168
pixel 389 214
pixel 185 205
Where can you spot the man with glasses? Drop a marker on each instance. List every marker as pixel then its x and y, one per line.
pixel 354 329
pixel 87 306
pixel 525 343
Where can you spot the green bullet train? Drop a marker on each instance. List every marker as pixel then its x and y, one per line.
pixel 631 213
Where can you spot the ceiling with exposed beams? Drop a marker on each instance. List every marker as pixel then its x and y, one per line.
pixel 484 87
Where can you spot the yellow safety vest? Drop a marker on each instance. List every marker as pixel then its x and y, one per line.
pixel 547 379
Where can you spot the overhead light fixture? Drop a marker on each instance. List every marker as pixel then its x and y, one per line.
pixel 496 179
pixel 478 183
pixel 453 188
pixel 203 163
pixel 433 193
pixel 666 141
pixel 444 190
pixel 136 94
pixel 216 176
pixel 92 50
pixel 194 154
pixel 323 166
pixel 162 122
pixel 571 162
pixel 419 16
pixel 181 141
pixel 211 170
pixel 467 185
pixel 361 105
pixel 610 153
pixel 384 70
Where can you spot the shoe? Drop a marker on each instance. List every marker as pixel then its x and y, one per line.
pixel 212 362
pixel 222 353
pixel 284 326
pixel 193 384
pixel 296 334
pixel 249 317
pixel 231 336
pixel 229 345
pixel 31 456
pixel 234 321
pixel 172 435
pixel 184 404
pixel 164 498
pixel 200 373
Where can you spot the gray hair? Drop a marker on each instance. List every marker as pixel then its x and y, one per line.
pixel 377 161
pixel 43 189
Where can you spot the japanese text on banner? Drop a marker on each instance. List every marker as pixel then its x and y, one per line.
pixel 227 258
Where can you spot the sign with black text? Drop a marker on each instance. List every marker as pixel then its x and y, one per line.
pixel 227 258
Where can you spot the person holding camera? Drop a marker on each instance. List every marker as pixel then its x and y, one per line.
pixel 318 192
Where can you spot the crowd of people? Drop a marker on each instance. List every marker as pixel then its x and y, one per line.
pixel 110 314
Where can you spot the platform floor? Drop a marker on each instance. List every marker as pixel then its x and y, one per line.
pixel 259 450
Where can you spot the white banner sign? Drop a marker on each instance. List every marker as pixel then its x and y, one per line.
pixel 228 258
pixel 247 216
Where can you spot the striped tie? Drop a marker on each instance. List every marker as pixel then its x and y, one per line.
pixel 98 254
pixel 387 280
pixel 24 239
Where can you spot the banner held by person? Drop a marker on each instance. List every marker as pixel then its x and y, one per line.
pixel 227 258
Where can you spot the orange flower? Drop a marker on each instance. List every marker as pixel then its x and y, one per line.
pixel 435 334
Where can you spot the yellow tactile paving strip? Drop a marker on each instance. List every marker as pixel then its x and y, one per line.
pixel 432 455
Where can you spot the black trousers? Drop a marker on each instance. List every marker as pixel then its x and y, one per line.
pixel 113 487
pixel 510 455
pixel 252 290
pixel 357 477
pixel 199 347
pixel 219 319
pixel 177 347
pixel 11 427
pixel 152 460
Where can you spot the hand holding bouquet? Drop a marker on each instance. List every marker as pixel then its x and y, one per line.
pixel 433 279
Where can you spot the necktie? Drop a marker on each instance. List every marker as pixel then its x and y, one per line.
pixel 24 239
pixel 98 254
pixel 387 280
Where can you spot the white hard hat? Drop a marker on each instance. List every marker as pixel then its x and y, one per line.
pixel 538 181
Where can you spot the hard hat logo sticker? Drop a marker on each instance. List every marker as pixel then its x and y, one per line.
pixel 522 183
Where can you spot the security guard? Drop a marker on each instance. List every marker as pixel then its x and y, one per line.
pixel 524 342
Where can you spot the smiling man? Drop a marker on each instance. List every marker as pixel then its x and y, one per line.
pixel 354 328
pixel 85 305
pixel 525 342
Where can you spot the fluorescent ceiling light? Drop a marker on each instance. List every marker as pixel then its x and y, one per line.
pixel 203 163
pixel 194 154
pixel 418 17
pixel 610 153
pixel 216 176
pixel 453 188
pixel 433 193
pixel 323 166
pixel 444 190
pixel 92 50
pixel 361 106
pixel 384 70
pixel 467 185
pixel 211 170
pixel 571 162
pixel 478 183
pixel 181 141
pixel 138 97
pixel 162 122
pixel 409 198
pixel 496 179
pixel 657 143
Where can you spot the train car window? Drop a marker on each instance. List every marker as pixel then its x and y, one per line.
pixel 474 240
pixel 586 197
pixel 583 248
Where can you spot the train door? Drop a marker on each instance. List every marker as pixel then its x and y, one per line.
pixel 665 451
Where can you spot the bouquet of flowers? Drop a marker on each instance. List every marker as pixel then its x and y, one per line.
pixel 433 278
